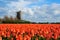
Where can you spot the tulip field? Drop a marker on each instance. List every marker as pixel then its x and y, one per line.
pixel 29 31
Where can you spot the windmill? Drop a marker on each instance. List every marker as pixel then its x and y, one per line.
pixel 18 16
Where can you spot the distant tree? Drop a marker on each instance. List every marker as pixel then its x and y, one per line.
pixel 6 18
pixel 33 22
pixel 0 20
pixel 11 18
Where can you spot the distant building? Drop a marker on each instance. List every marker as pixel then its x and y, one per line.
pixel 18 16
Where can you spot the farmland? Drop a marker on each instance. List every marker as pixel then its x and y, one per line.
pixel 30 31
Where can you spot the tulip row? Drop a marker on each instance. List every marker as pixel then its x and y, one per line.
pixel 30 32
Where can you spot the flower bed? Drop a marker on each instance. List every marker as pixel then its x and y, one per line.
pixel 30 31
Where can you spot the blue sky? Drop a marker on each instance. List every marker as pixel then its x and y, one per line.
pixel 32 10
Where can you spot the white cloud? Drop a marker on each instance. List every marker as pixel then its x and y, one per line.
pixel 35 0
pixel 47 12
pixel 56 8
pixel 1 9
pixel 20 5
pixel 30 11
pixel 56 12
pixel 13 7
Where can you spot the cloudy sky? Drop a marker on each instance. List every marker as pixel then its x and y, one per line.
pixel 32 10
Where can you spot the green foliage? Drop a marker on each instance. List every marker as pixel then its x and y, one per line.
pixel 5 38
pixel 15 21
pixel 52 39
pixel 37 36
pixel 41 38
pixel 33 38
pixel 58 38
pixel 9 38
